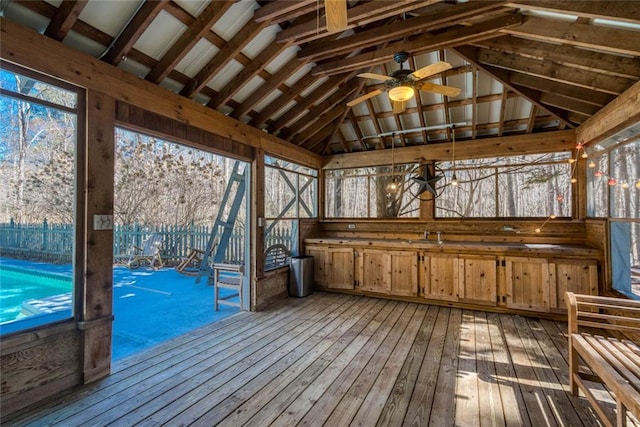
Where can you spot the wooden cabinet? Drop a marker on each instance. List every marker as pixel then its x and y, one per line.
pixel 573 275
pixel 531 283
pixel 388 272
pixel 539 284
pixel 468 278
pixel 478 279
pixel 440 276
pixel 333 268
pixel 527 282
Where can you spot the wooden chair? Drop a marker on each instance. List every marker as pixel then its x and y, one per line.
pixel 227 276
pixel 191 264
pixel 149 252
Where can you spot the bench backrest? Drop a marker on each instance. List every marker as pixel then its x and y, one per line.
pixel 614 314
pixel 276 256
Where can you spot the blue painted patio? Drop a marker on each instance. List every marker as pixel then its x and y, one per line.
pixel 150 306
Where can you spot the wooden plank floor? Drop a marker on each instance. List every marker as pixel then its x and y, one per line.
pixel 339 360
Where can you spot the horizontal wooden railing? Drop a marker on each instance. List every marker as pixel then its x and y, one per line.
pixel 54 242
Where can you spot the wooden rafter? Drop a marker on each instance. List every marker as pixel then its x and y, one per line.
pixel 422 44
pixel 288 95
pixel 626 11
pixel 64 19
pixel 471 54
pixel 313 117
pixel 561 73
pixel 532 119
pixel 576 34
pixel 503 110
pixel 202 25
pixel 600 62
pixel 284 10
pixel 223 57
pixel 356 129
pixel 544 85
pixel 359 15
pixel 133 30
pixel 436 17
pixel 248 72
pixel 307 102
pixel 275 82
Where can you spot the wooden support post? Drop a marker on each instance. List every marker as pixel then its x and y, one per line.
pixel 257 224
pixel 96 314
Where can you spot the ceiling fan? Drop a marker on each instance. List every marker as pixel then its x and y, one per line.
pixel 402 83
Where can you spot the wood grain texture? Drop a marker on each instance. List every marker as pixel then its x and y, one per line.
pixel 332 359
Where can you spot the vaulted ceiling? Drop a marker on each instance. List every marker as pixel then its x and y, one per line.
pixel 522 66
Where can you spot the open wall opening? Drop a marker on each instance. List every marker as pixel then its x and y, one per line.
pixel 169 203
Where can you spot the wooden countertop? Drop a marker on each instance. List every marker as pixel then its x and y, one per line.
pixel 495 248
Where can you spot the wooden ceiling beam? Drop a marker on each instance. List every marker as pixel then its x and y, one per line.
pixel 545 85
pixel 319 124
pixel 593 61
pixel 223 57
pixel 284 10
pixel 588 36
pixel 556 72
pixel 532 119
pixel 359 15
pixel 503 109
pixel 202 25
pixel 441 15
pixel 568 104
pixel 142 19
pixel 422 44
pixel 307 102
pixel 249 72
pixel 276 80
pixel 64 19
pixel 312 116
pixel 356 128
pixel 472 54
pixel 535 143
pixel 626 11
pixel 288 95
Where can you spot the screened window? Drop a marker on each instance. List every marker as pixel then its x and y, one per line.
pixel 613 191
pixel 363 193
pixel 291 193
pixel 515 186
pixel 38 218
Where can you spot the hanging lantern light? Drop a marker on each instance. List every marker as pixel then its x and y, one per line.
pixel 393 187
pixel 454 179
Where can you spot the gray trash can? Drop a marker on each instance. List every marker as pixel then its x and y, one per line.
pixel 301 276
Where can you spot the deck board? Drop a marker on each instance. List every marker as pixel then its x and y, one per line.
pixel 336 360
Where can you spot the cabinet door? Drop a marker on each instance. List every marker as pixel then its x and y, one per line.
pixel 478 282
pixel 527 283
pixel 404 273
pixel 320 256
pixel 572 275
pixel 373 271
pixel 339 271
pixel 440 277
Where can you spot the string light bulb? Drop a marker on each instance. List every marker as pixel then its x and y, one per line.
pixel 612 181
pixel 574 180
pixel 584 155
pixel 638 184
pixel 592 164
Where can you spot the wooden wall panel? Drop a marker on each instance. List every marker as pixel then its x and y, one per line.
pixel 39 369
pixel 272 287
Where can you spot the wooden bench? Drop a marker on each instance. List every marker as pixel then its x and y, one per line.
pixel 223 280
pixel 614 360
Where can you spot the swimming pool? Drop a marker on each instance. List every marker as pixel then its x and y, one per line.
pixel 20 284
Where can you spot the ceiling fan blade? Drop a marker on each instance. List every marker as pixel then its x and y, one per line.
pixel 430 70
pixel 336 14
pixel 374 76
pixel 443 90
pixel 398 107
pixel 364 97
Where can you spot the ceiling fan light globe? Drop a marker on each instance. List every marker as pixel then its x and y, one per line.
pixel 401 93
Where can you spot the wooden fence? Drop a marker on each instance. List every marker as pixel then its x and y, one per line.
pixel 54 242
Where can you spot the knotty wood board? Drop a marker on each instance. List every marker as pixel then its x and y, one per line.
pixel 333 359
